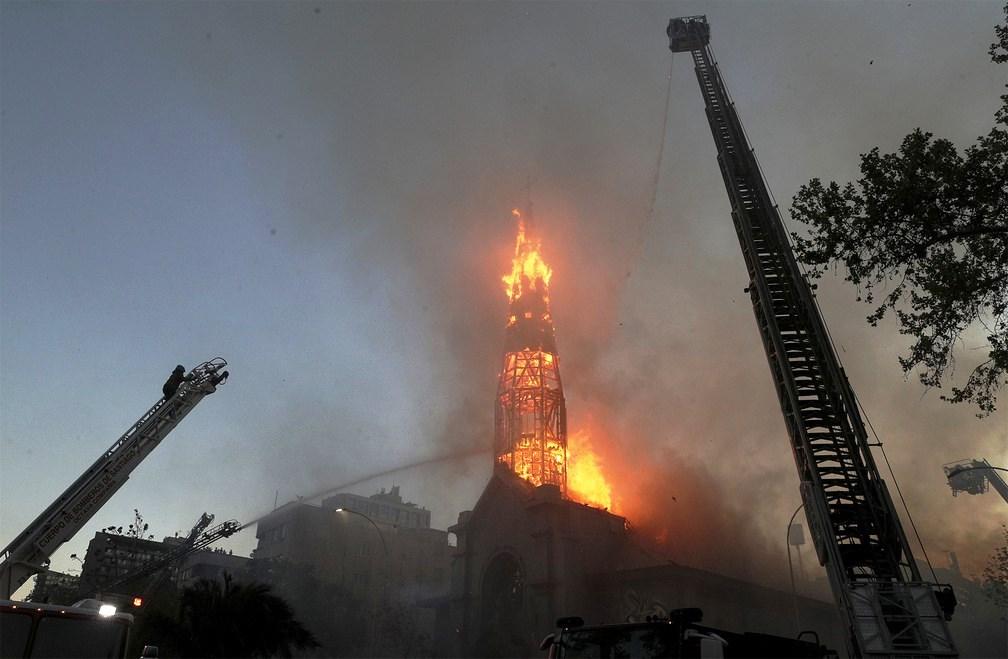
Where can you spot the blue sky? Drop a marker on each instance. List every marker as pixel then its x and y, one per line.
pixel 321 194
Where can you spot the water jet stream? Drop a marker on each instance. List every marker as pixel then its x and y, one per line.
pixel 448 457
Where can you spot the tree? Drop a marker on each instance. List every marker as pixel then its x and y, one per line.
pixel 995 575
pixel 138 529
pixel 229 620
pixel 924 233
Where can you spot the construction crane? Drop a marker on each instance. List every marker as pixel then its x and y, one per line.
pixel 974 477
pixel 889 609
pixel 29 552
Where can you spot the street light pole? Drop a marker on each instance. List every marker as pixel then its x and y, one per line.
pixel 384 591
pixel 381 535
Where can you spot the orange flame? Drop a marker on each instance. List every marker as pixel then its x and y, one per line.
pixel 585 480
pixel 527 267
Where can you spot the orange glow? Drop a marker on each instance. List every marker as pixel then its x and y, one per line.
pixel 530 369
pixel 585 481
pixel 528 269
pixel 536 461
pixel 536 451
pixel 530 436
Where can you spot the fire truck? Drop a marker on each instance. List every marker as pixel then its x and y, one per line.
pixel 890 611
pixel 85 630
pixel 679 636
pixel 91 628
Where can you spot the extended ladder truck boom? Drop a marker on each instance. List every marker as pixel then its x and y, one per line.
pixel 153 568
pixel 974 477
pixel 889 610
pixel 30 551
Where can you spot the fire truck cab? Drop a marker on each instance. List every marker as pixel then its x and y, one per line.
pixel 88 630
pixel 679 636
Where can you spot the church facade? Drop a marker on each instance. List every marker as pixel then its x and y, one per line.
pixel 526 556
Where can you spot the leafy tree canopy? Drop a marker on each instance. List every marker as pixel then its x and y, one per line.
pixel 924 233
pixel 229 619
pixel 995 576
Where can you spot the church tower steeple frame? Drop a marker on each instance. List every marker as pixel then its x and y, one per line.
pixel 530 435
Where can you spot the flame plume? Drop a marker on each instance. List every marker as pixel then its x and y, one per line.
pixel 531 419
pixel 528 269
pixel 586 481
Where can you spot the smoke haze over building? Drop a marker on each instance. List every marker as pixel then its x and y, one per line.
pixel 321 193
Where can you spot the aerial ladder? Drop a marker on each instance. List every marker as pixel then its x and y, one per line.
pixel 154 565
pixel 198 539
pixel 151 566
pixel 889 610
pixel 974 477
pixel 30 551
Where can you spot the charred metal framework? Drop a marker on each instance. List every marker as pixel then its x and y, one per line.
pixel 531 417
pixel 890 610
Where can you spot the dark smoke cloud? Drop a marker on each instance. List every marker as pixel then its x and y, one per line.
pixel 424 123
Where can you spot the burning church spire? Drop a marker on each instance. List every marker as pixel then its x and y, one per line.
pixel 531 417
